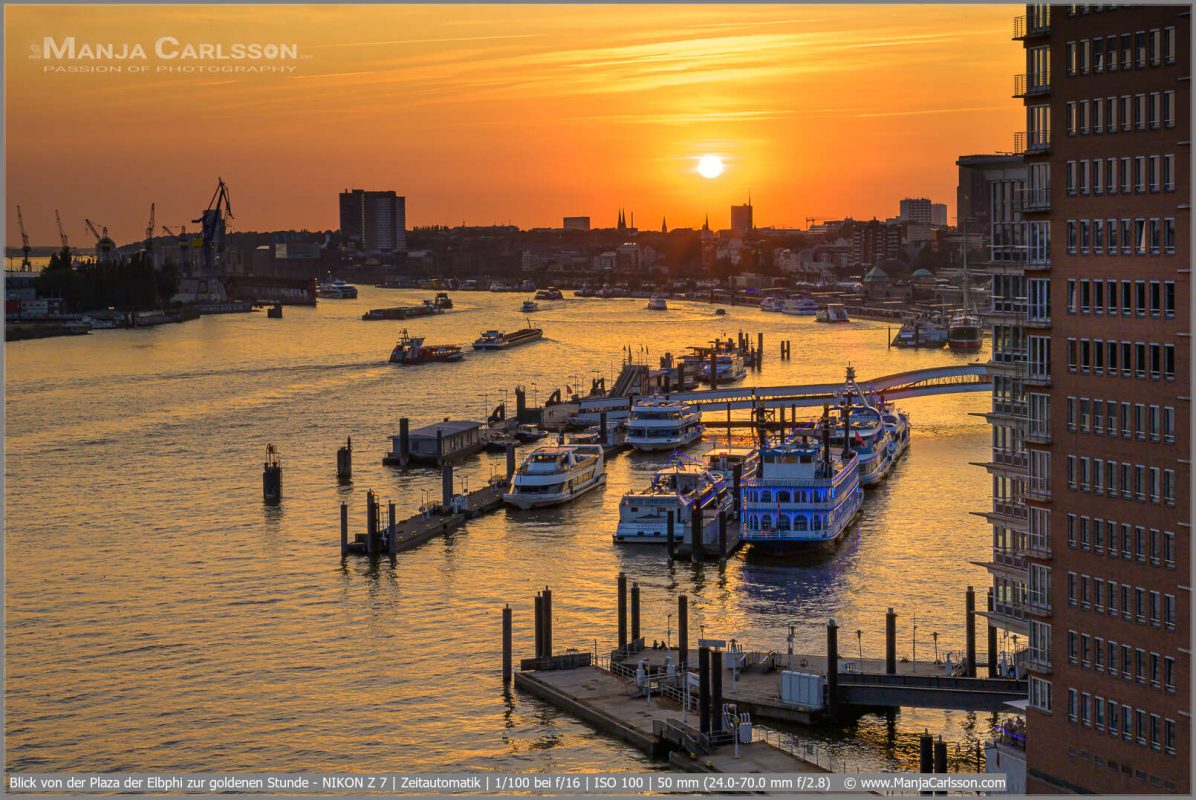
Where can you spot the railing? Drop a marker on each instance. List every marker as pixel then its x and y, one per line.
pixel 1011 355
pixel 1008 508
pixel 1038 199
pixel 1032 142
pixel 1011 733
pixel 1006 305
pixel 1031 84
pixel 1010 458
pixel 1036 23
pixel 1013 408
pixel 1009 558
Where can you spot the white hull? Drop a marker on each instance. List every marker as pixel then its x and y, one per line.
pixel 665 442
pixel 524 501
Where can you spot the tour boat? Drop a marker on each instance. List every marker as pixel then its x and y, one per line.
pixel 337 290
pixel 964 332
pixel 803 497
pixel 657 303
pixel 921 332
pixel 897 424
pixel 729 367
pixel 644 514
pixel 551 293
pixel 443 301
pixel 529 306
pixel 831 312
pixel 497 340
pixel 663 425
pixel 799 307
pixel 529 433
pixel 722 460
pixel 412 350
pixel 861 429
pixel 770 304
pixel 556 474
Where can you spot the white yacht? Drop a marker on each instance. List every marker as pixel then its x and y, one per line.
pixel 729 367
pixel 337 290
pixel 529 306
pixel 799 307
pixel 663 425
pixel 556 474
pixel 657 303
pixel 832 312
pixel 770 304
pixel 643 515
pixel 721 461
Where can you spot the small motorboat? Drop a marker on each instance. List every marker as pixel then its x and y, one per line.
pixel 529 433
pixel 529 306
pixel 657 303
pixel 720 312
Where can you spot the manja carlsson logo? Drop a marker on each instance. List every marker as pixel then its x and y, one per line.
pixel 166 48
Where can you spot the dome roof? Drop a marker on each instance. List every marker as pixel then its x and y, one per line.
pixel 923 273
pixel 876 274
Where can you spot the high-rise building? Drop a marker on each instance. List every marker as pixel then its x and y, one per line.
pixel 1107 386
pixel 938 214
pixel 874 241
pixel 741 219
pixel 375 221
pixel 915 209
pixel 576 223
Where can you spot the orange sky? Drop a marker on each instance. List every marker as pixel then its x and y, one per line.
pixel 517 114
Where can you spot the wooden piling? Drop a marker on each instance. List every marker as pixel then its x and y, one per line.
pixel 695 533
pixel 506 644
pixel 704 689
pixel 970 630
pixel 510 462
pixel 392 533
pixel 539 632
pixel 832 667
pixel 344 529
pixel 759 350
pixel 635 611
pixel 446 486
pixel 940 757
pixel 716 690
pixel 371 523
pixel 547 621
pixel 682 632
pixel 404 441
pixel 890 642
pixel 344 462
pixel 622 585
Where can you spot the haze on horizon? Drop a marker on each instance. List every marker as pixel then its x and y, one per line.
pixel 520 114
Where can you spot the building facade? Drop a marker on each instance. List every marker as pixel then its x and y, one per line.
pixel 1107 394
pixel 375 222
pixel 873 242
pixel 916 209
pixel 741 219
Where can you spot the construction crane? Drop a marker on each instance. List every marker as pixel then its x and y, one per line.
pixel 66 245
pixel 149 232
pixel 26 266
pixel 169 232
pixel 212 226
pixel 105 248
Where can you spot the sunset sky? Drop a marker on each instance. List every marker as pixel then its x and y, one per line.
pixel 499 113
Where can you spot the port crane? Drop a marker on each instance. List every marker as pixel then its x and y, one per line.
pixel 213 222
pixel 26 266
pixel 66 245
pixel 149 233
pixel 105 248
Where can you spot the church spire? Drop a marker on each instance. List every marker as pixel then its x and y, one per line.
pixel 706 224
pixel 622 224
pixel 664 225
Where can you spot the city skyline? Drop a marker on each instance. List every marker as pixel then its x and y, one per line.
pixel 508 114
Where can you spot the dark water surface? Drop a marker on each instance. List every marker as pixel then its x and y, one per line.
pixel 161 618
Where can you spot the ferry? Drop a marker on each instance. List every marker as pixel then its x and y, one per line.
pixel 729 367
pixel 663 425
pixel 497 340
pixel 529 306
pixel 657 303
pixel 799 307
pixel 443 301
pixel 722 460
pixel 427 308
pixel 831 312
pixel 770 304
pixel 551 293
pixel 643 515
pixel 921 332
pixel 897 424
pixel 556 474
pixel 337 290
pixel 804 497
pixel 412 350
pixel 862 429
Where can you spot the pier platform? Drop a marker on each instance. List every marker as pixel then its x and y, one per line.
pixel 415 530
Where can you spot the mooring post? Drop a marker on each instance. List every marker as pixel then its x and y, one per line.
pixel 510 462
pixel 371 523
pixel 695 532
pixel 992 640
pixel 506 644
pixel 669 526
pixel 736 480
pixel 704 689
pixel 392 532
pixel 940 757
pixel 344 529
pixel 925 753
pixel 344 462
pixel 890 642
pixel 635 611
pixel 682 632
pixel 832 667
pixel 759 349
pixel 970 630
pixel 722 535
pixel 446 487
pixel 404 441
pixel 602 427
pixel 539 604
pixel 716 690
pixel 713 370
pixel 547 594
pixel 622 584
pixel 272 477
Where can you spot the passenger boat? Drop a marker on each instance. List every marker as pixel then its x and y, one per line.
pixel 722 460
pixel 556 474
pixel 799 307
pixel 551 293
pixel 657 303
pixel 529 433
pixel 720 312
pixel 729 367
pixel 862 429
pixel 921 332
pixel 770 304
pixel 644 514
pixel 498 286
pixel 529 306
pixel 831 312
pixel 412 350
pixel 427 308
pixel 337 290
pixel 803 497
pixel 897 424
pixel 497 340
pixel 663 425
pixel 443 301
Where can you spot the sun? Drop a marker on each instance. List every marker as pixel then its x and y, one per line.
pixel 710 166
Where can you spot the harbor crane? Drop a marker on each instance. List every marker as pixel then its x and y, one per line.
pixel 66 245
pixel 213 222
pixel 105 248
pixel 26 266
pixel 149 232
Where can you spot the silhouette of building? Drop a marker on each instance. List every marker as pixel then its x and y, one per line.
pixel 375 222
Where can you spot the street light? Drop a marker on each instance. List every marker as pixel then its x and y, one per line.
pixel 668 641
pixel 859 637
pixel 935 636
pixel 915 658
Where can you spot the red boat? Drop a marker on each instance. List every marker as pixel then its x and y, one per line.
pixel 412 350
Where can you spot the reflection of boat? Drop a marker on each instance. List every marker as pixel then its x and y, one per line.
pixel 412 350
pixel 663 425
pixel 556 474
pixel 643 515
pixel 831 312
pixel 770 304
pixel 657 303
pixel 804 495
pixel 529 306
pixel 497 340
pixel 799 307
pixel 921 332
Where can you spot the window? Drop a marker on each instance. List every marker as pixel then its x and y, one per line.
pixel 1127 52
pixel 1126 112
pixel 1169 611
pixel 1154 113
pixel 1169 45
pixel 1112 708
pixel 1072 59
pixel 1139 174
pixel 1156 173
pixel 1156 47
pixel 1126 176
pixel 1040 694
pixel 1169 236
pixel 1140 111
pixel 1111 114
pixel 1140 49
pixel 1169 173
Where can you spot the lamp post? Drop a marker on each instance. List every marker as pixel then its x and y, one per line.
pixel 668 641
pixel 859 637
pixel 915 658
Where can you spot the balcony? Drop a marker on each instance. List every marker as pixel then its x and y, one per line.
pixel 1033 25
pixel 1032 142
pixel 1038 603
pixel 1037 317
pixel 1037 376
pixel 1032 200
pixel 1011 307
pixel 1038 489
pixel 1039 661
pixel 1037 433
pixel 1034 84
pixel 1038 545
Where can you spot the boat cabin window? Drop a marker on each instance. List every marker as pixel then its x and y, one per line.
pixel 782 496
pixel 799 523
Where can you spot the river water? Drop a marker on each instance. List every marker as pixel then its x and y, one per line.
pixel 160 617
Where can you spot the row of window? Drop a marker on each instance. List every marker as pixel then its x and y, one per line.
pixel 1121 113
pixel 1131 359
pixel 1128 420
pixel 1123 174
pixel 1121 540
pixel 1135 481
pixel 1121 720
pixel 1088 296
pixel 1135 50
pixel 1134 664
pixel 1141 236
pixel 1106 597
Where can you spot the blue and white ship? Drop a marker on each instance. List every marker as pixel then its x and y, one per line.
pixel 874 430
pixel 804 496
